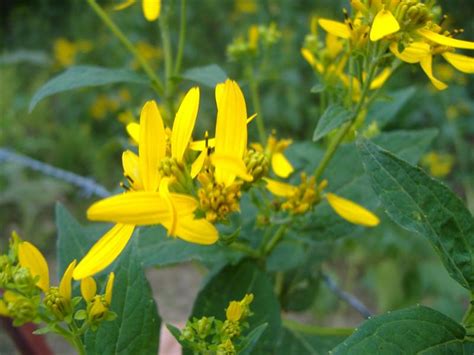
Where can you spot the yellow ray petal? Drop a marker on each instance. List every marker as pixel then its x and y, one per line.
pixel 198 231
pixel 426 65
pixel 104 251
pixel 65 289
pixel 445 40
pixel 31 258
pixel 380 79
pixel 384 24
pixel 335 28
pixel 280 188
pixel 203 144
pixel 88 288
pixel 151 9
pixel 109 288
pixel 130 163
pixel 124 5
pixel 183 124
pixel 351 211
pixel 197 165
pixel 461 62
pixel 412 53
pixel 281 166
pixel 152 145
pixel 218 93
pixel 133 130
pixel 230 167
pixel 165 193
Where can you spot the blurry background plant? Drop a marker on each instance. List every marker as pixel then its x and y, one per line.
pixel 257 43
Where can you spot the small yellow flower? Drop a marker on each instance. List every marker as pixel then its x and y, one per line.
pixel 439 165
pixel 274 149
pixel 151 8
pixel 234 311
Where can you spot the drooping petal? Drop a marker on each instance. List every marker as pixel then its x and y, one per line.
pixel 351 211
pixel 151 9
pixel 445 40
pixel 280 188
pixel 231 127
pixel 380 79
pixel 335 28
pixel 198 231
pixel 31 258
pixel 104 251
pixel 65 289
pixel 165 193
pixel 412 53
pixel 309 57
pixel 130 163
pixel 183 124
pixel 230 167
pixel 384 24
pixel 109 288
pixel 133 130
pixel 281 166
pixel 426 65
pixel 88 288
pixel 461 62
pixel 152 145
pixel 197 165
pixel 124 5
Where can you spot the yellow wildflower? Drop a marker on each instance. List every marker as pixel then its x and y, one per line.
pixel 274 149
pixel 234 311
pixel 151 8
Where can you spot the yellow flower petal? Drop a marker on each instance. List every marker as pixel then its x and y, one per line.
pixel 198 231
pixel 133 130
pixel 31 258
pixel 218 93
pixel 351 211
pixel 109 288
pixel 234 311
pixel 130 163
pixel 231 128
pixel 165 193
pixel 88 288
pixel 152 145
pixel 412 53
pixel 65 289
pixel 139 208
pixel 335 28
pixel 461 62
pixel 151 9
pixel 280 188
pixel 197 165
pixel 202 144
pixel 104 251
pixel 445 40
pixel 380 79
pixel 230 167
pixel 183 124
pixel 281 166
pixel 426 65
pixel 124 5
pixel 384 24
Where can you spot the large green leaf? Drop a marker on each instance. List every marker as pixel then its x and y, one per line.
pixel 84 76
pixel 415 330
pixel 209 75
pixel 158 249
pixel 232 283
pixel 137 327
pixel 423 205
pixel 333 117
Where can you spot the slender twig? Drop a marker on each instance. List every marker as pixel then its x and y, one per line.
pixel 89 186
pixel 353 301
pixel 254 83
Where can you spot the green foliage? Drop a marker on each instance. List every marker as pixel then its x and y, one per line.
pixel 413 330
pixel 137 327
pixel 209 75
pixel 84 76
pixel 422 205
pixel 333 117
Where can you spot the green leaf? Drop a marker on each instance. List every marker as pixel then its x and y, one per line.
pixel 209 75
pixel 158 249
pixel 232 283
pixel 137 327
pixel 251 339
pixel 423 205
pixel 408 331
pixel 287 255
pixel 74 240
pixel 333 117
pixel 84 76
pixel 310 340
pixel 316 89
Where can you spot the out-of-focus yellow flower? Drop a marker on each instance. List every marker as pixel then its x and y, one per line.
pixel 151 8
pixel 438 164
pixel 245 6
pixel 65 51
pixel 102 105
pixel 234 311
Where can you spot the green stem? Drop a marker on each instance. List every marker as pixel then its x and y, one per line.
pixel 168 56
pixel 155 80
pixel 253 83
pixel 79 346
pixel 244 248
pixel 182 38
pixel 468 319
pixel 315 330
pixel 279 234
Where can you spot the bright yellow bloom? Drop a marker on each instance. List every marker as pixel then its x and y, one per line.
pixel 384 24
pixel 351 211
pixel 274 149
pixel 151 8
pixel 234 311
pixel 31 258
